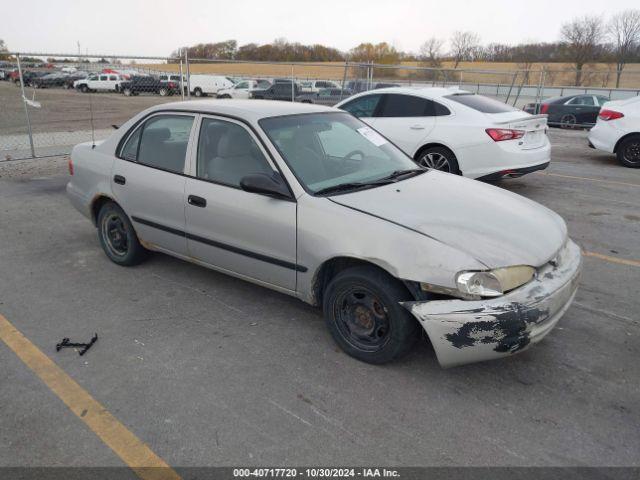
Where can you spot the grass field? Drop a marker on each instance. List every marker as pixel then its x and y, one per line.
pixel 594 75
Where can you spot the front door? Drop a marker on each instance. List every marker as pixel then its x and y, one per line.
pixel 148 180
pixel 406 120
pixel 249 234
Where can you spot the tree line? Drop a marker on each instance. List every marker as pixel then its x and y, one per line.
pixel 581 41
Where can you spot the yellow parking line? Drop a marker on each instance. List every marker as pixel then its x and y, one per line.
pixel 607 258
pixel 599 180
pixel 135 453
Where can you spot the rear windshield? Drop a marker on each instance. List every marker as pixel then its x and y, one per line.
pixel 480 103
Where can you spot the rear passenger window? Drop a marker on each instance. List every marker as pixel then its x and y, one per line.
pixel 161 142
pixel 227 153
pixel 403 106
pixel 481 103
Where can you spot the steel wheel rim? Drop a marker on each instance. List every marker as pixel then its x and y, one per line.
pixel 632 152
pixel 115 235
pixel 436 161
pixel 362 319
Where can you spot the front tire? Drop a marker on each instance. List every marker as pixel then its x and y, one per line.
pixel 84 88
pixel 163 92
pixel 198 92
pixel 362 312
pixel 628 152
pixel 438 158
pixel 117 236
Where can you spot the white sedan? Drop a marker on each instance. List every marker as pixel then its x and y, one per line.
pixel 456 131
pixel 617 130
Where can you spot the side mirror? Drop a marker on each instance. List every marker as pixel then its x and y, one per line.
pixel 272 185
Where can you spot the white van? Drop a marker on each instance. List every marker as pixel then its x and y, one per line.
pixel 202 85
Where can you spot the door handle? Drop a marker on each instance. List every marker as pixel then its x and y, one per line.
pixel 417 127
pixel 119 179
pixel 197 201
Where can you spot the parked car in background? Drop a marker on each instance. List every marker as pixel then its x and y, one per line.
pixel 138 84
pixel 166 78
pixel 358 86
pixel 243 88
pixel 277 91
pixel 617 131
pixel 99 82
pixel 56 79
pixel 456 131
pixel 326 96
pixel 203 85
pixel 27 75
pixel 571 111
pixel 314 86
pixel 287 196
pixel 71 78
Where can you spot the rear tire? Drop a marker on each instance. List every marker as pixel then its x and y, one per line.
pixel 568 120
pixel 127 92
pixel 117 236
pixel 628 152
pixel 438 158
pixel 362 312
pixel 163 92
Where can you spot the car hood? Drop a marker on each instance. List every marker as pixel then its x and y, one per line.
pixel 496 227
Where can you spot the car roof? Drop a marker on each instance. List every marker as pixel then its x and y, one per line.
pixel 427 92
pixel 250 109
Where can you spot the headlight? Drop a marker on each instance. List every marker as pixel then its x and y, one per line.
pixel 494 282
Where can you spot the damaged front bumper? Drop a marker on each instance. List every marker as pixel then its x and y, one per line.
pixel 466 331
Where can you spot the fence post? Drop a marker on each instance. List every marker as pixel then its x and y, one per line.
pixel 293 90
pixel 513 81
pixel 26 108
pixel 186 61
pixel 344 78
pixel 181 80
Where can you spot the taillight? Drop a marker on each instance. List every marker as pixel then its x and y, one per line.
pixel 70 165
pixel 502 134
pixel 607 115
pixel 544 107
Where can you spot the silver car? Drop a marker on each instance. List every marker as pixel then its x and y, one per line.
pixel 310 201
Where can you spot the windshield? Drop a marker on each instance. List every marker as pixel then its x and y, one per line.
pixel 325 150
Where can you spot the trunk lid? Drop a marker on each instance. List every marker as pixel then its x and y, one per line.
pixel 534 126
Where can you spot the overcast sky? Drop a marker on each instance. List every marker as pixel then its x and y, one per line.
pixel 160 26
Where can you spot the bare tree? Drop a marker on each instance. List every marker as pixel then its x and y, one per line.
pixel 431 51
pixel 3 50
pixel 463 44
pixel 624 32
pixel 582 37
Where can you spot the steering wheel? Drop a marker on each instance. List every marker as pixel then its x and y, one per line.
pixel 352 153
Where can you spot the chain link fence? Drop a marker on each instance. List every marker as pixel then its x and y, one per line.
pixel 50 102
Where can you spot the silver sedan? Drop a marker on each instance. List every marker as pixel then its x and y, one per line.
pixel 310 201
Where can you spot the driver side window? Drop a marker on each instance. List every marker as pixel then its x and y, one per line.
pixel 363 107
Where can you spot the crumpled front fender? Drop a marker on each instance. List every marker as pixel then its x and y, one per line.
pixel 463 331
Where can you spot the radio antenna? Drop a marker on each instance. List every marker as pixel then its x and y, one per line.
pixel 93 133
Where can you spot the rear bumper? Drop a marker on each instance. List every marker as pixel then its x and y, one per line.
pixel 464 331
pixel 513 172
pixel 603 136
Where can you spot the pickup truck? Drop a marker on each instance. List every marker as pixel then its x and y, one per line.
pixel 326 96
pixel 141 84
pixel 277 91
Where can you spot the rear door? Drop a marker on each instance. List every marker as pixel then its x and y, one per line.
pixel 148 179
pixel 406 120
pixel 249 234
